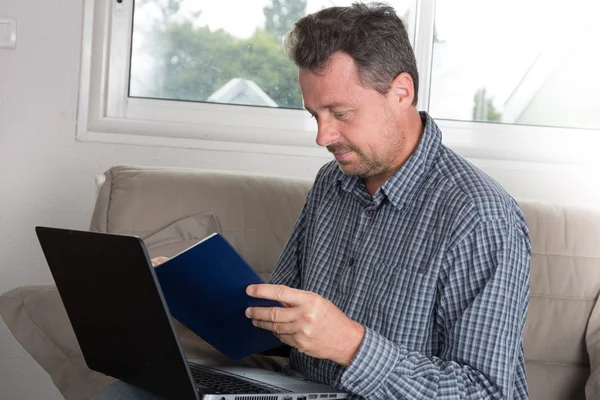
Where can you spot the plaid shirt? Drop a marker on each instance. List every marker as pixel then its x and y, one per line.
pixel 435 267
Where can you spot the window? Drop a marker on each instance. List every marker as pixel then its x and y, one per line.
pixel 527 67
pixel 200 51
pixel 195 74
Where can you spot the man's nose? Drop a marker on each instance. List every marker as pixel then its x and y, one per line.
pixel 327 133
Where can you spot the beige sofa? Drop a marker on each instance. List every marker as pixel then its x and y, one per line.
pixel 173 208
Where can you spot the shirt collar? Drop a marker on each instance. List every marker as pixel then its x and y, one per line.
pixel 405 183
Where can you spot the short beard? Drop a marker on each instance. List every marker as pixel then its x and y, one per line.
pixel 366 167
pixel 367 171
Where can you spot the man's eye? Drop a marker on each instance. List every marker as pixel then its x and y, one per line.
pixel 339 115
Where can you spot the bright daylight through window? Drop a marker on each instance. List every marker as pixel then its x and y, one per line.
pixel 205 51
pixel 530 62
pixel 488 63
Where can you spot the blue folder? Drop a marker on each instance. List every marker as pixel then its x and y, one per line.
pixel 205 290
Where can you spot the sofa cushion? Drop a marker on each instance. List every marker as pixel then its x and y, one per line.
pixel 565 283
pixel 181 234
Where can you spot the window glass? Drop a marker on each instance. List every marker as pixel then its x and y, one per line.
pixel 223 51
pixel 530 62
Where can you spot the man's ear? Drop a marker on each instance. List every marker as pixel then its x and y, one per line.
pixel 403 91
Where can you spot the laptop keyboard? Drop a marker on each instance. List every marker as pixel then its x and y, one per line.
pixel 222 383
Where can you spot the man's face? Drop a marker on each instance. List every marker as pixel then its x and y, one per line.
pixel 357 124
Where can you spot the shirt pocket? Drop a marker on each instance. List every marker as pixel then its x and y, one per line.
pixel 400 300
pixel 381 289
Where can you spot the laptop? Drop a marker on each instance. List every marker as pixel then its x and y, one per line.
pixel 124 328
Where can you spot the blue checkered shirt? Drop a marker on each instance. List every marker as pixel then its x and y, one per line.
pixel 435 266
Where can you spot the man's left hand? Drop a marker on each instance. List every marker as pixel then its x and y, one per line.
pixel 308 322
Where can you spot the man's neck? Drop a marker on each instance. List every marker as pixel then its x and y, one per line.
pixel 414 132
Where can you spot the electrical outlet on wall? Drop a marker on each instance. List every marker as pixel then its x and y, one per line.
pixel 8 33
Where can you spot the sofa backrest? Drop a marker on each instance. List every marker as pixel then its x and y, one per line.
pixel 565 283
pixel 256 213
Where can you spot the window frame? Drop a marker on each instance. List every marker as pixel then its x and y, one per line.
pixel 107 114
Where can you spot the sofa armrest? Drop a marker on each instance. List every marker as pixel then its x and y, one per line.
pixel 37 319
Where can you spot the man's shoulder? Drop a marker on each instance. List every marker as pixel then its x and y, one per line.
pixel 473 190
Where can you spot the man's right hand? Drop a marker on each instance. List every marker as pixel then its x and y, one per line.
pixel 159 260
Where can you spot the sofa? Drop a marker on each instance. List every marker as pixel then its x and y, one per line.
pixel 173 208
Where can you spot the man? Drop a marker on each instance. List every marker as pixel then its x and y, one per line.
pixel 407 273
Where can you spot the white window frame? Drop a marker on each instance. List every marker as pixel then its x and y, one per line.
pixel 107 114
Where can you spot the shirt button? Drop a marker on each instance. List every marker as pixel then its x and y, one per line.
pixel 351 262
pixel 316 362
pixel 369 212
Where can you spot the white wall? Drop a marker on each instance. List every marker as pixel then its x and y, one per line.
pixel 46 177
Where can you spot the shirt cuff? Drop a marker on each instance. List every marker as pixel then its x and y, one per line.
pixel 372 364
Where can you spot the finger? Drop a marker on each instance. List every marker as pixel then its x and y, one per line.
pixel 283 294
pixel 272 314
pixel 279 329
